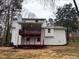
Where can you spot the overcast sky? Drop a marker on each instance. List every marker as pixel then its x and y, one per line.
pixel 38 10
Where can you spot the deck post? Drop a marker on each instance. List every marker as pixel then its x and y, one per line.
pixel 34 41
pixel 43 42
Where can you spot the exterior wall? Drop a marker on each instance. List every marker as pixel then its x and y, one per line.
pixel 42 35
pixel 16 38
pixel 30 21
pixel 58 39
pixel 44 24
pixel 51 34
pixel 32 41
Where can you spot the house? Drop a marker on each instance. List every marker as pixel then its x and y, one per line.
pixel 34 31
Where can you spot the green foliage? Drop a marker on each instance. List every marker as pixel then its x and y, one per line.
pixel 67 16
pixel 74 42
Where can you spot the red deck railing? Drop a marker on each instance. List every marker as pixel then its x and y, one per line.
pixel 29 33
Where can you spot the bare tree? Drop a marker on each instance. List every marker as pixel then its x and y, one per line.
pixel 10 9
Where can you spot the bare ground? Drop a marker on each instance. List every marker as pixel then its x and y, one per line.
pixel 50 52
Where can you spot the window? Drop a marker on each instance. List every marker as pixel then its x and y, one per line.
pixel 49 30
pixel 28 39
pixel 38 39
pixel 36 20
pixel 13 27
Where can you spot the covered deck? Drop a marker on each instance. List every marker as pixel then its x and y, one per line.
pixel 31 34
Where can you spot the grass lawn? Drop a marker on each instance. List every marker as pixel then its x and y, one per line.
pixel 70 51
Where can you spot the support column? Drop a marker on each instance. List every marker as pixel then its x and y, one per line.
pixel 19 36
pixel 42 36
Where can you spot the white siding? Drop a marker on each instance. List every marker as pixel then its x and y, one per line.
pixel 16 39
pixel 30 21
pixel 55 37
pixel 44 24
pixel 32 41
pixel 51 34
pixel 58 39
pixel 42 35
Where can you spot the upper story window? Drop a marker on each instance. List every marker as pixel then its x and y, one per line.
pixel 28 39
pixel 38 39
pixel 36 20
pixel 49 30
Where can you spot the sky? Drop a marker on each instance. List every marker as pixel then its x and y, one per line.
pixel 37 9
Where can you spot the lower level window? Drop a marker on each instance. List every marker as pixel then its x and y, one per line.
pixel 28 39
pixel 38 39
pixel 49 30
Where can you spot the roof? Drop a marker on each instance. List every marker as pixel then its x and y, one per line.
pixel 55 27
pixel 33 19
pixel 42 19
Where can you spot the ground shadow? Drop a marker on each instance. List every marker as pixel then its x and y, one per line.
pixel 30 47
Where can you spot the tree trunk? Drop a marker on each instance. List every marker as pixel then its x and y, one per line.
pixel 8 30
pixel 67 35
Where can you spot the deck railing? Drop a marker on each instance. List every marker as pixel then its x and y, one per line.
pixel 30 33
